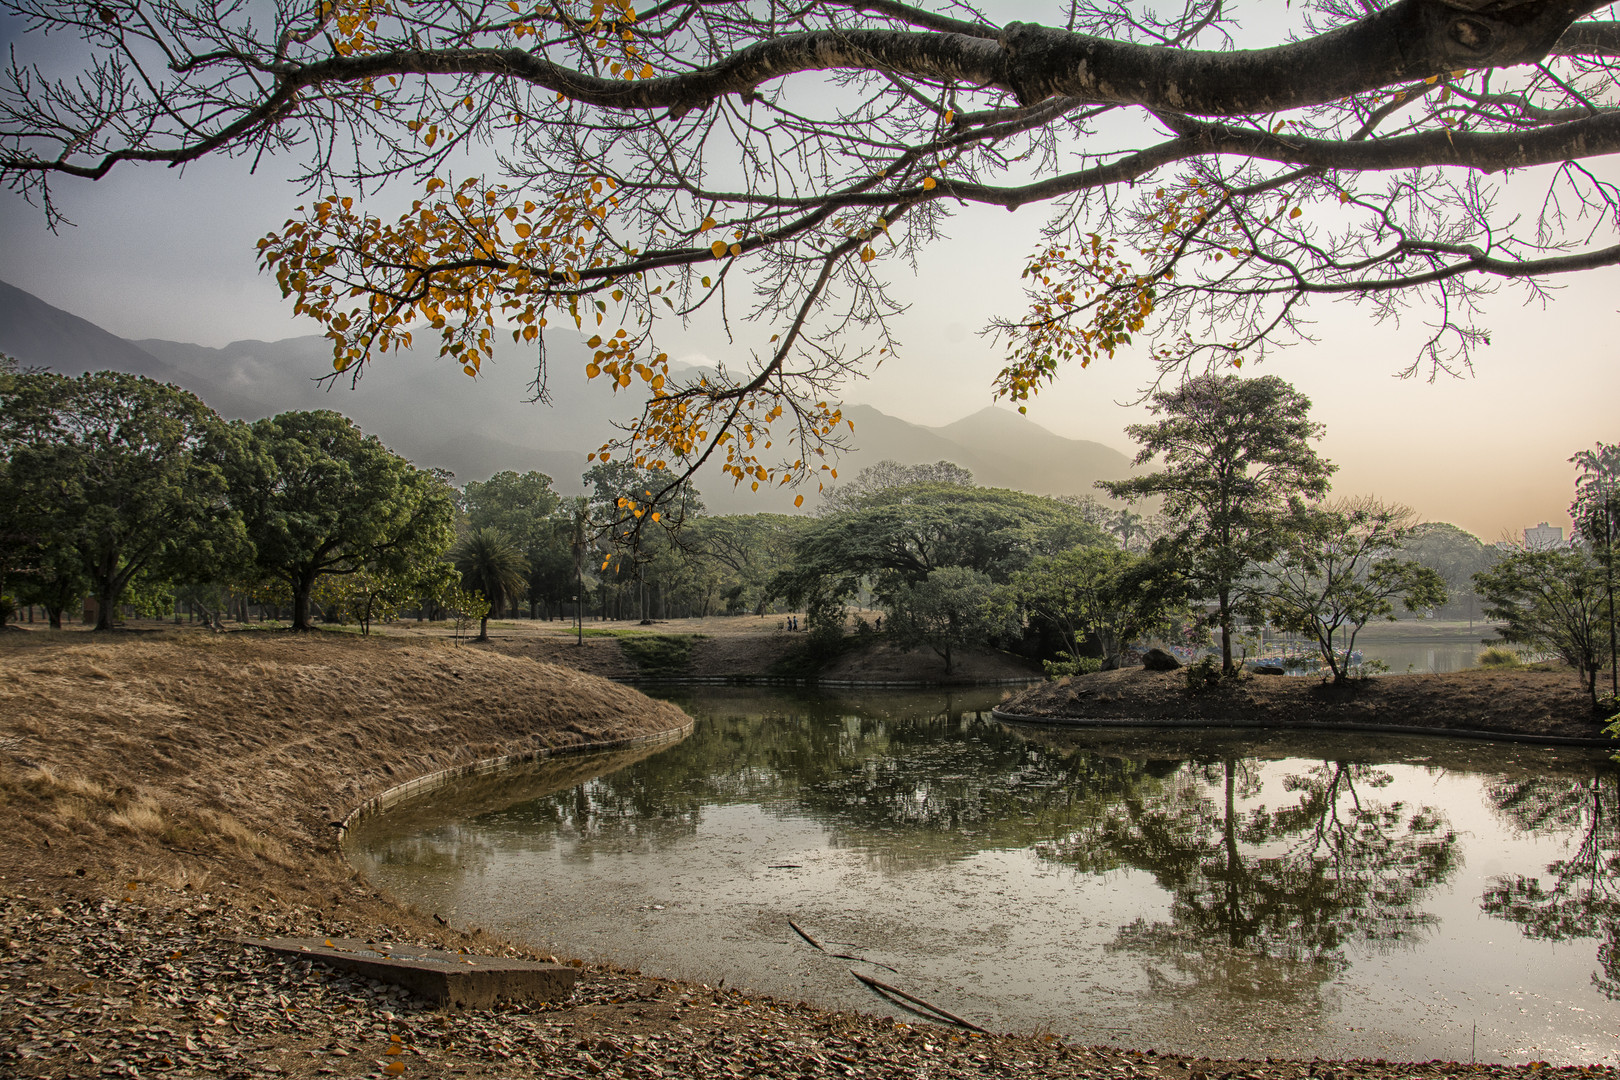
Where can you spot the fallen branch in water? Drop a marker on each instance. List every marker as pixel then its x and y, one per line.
pixel 797 929
pixel 879 984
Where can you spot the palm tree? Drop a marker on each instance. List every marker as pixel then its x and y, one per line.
pixel 491 564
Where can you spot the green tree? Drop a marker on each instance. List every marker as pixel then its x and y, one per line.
pixel 1338 571
pixel 1456 555
pixel 492 566
pixel 950 609
pixel 1552 601
pixel 1238 460
pixel 127 474
pixel 320 497
pixel 1100 595
pixel 526 509
pixel 888 474
pixel 1596 514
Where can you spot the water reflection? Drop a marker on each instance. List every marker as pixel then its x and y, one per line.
pixel 1580 900
pixel 1221 893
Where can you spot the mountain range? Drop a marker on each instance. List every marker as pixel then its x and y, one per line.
pixel 427 410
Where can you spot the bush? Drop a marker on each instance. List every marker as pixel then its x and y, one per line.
pixel 1071 665
pixel 1498 657
pixel 1204 674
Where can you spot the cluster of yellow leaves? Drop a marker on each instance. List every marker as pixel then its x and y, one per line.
pixel 458 264
pixel 680 424
pixel 351 21
pixel 1088 301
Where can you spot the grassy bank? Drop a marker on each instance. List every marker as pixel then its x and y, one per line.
pixel 166 795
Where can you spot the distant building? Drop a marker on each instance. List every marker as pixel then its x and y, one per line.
pixel 1543 537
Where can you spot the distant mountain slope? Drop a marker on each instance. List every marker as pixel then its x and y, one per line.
pixel 426 410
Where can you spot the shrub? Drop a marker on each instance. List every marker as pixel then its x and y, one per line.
pixel 1498 657
pixel 1071 665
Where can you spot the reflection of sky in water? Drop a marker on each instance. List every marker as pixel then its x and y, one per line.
pixel 1288 897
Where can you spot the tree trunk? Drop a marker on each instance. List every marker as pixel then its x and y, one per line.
pixel 1225 617
pixel 483 628
pixel 300 618
pixel 55 616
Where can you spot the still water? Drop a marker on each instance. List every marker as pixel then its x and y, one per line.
pixel 1211 894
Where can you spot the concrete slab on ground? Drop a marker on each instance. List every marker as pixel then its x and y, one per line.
pixel 453 980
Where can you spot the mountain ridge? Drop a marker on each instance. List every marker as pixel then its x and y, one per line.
pixel 486 425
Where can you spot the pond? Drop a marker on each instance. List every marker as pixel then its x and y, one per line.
pixel 1215 894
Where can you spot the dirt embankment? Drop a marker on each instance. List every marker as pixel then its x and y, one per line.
pixel 165 795
pixel 1514 702
pixel 199 756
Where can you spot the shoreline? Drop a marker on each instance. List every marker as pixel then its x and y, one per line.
pixel 154 824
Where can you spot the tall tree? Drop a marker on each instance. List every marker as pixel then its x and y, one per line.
pixel 1596 514
pixel 1238 459
pixel 950 609
pixel 320 497
pixel 526 509
pixel 127 474
pixel 1199 194
pixel 1337 571
pixel 1552 601
pixel 492 566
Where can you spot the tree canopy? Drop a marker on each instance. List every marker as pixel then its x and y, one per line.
pixel 1238 461
pixel 776 161
pixel 320 497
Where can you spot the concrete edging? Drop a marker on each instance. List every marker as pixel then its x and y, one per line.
pixel 483 767
pixel 1305 725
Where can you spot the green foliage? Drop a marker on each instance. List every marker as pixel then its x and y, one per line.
pixel 320 497
pixel 659 656
pixel 1498 657
pixel 1067 664
pixel 898 536
pixel 1103 596
pixel 490 564
pixel 1456 556
pixel 117 475
pixel 1337 572
pixel 952 608
pixel 1205 674
pixel 1552 601
pixel 1238 459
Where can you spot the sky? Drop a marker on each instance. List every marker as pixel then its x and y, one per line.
pixel 169 253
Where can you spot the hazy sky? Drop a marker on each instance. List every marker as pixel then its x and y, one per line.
pixel 170 253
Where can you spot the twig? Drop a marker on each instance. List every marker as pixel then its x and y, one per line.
pixel 879 984
pixel 804 935
pixel 797 929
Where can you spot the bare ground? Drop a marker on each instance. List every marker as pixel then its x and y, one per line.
pixel 165 794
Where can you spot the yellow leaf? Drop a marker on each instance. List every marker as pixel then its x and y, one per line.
pixel 798 500
pixel 1294 213
pixel 657 515
pixel 719 249
pixel 928 183
pixel 736 249
pixel 950 114
pixel 867 254
pixel 394 1068
pixel 592 371
pixel 1344 197
pixel 706 281
pixel 646 71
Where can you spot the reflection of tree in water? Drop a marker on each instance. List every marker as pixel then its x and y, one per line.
pixel 1581 896
pixel 912 786
pixel 1263 901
